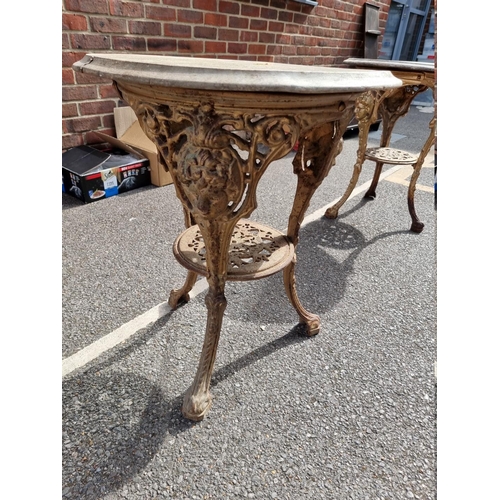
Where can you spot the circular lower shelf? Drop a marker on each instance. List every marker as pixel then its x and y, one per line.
pixel 390 156
pixel 255 251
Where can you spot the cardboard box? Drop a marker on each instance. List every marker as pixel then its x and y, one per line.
pixel 130 133
pixel 90 174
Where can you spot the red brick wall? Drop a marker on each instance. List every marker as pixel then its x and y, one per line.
pixel 265 30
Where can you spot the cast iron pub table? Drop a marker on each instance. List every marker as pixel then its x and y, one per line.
pixel 392 104
pixel 217 125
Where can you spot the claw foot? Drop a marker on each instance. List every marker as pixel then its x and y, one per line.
pixel 177 298
pixel 196 407
pixel 313 326
pixel 417 227
pixel 332 213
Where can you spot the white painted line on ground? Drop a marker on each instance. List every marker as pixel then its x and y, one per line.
pixel 124 332
pixel 403 174
pixel 114 338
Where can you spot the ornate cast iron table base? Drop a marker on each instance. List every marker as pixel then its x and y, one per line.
pixel 216 170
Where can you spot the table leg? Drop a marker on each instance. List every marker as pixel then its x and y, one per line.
pixel 217 236
pixel 417 226
pixel 385 139
pixel 316 155
pixel 366 113
pixel 180 296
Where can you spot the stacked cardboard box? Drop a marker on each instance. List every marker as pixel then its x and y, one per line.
pixel 130 133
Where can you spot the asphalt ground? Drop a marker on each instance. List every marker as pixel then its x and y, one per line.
pixel 347 414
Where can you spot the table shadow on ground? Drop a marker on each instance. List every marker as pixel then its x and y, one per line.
pixel 321 278
pixel 115 423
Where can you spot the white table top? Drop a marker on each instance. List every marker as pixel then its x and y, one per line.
pixel 233 75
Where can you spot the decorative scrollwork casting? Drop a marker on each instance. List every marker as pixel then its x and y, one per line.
pixel 217 158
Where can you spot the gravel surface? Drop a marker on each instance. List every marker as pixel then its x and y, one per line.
pixel 347 414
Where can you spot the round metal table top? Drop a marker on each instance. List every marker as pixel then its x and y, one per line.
pixel 233 75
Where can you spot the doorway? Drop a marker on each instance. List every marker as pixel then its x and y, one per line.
pixel 404 29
